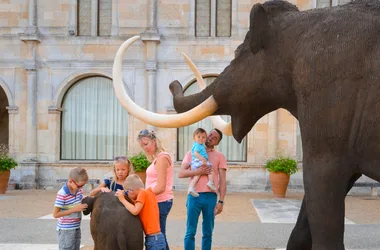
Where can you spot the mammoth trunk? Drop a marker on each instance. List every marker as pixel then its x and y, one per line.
pixel 184 103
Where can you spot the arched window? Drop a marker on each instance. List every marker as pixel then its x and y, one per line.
pixel 94 124
pixel 4 118
pixel 228 146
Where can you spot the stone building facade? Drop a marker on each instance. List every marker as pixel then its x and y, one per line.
pixel 57 107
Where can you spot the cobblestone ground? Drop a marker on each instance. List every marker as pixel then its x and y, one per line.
pixel 32 204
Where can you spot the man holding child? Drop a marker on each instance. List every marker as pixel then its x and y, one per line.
pixel 207 202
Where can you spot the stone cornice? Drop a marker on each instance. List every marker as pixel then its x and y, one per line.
pixel 31 35
pixel 150 36
pixel 151 65
pixel 54 110
pixel 70 64
pixel 12 109
pixel 30 65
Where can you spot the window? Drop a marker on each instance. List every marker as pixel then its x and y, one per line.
pixel 94 20
pixel 228 146
pixel 94 124
pixel 324 3
pixel 213 18
pixel 4 118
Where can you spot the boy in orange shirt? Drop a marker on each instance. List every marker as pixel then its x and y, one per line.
pixel 147 208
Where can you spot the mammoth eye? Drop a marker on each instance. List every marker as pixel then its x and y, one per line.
pixel 237 51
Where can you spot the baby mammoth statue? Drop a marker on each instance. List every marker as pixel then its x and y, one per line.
pixel 112 226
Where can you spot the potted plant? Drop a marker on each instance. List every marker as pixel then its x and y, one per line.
pixel 140 164
pixel 280 169
pixel 6 164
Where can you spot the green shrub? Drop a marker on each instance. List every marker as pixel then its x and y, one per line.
pixel 6 161
pixel 281 164
pixel 140 162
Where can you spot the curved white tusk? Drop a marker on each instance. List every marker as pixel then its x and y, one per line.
pixel 206 108
pixel 216 120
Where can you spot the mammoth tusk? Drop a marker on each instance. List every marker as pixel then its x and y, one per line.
pixel 206 108
pixel 217 121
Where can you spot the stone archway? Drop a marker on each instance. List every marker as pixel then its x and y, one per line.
pixel 4 118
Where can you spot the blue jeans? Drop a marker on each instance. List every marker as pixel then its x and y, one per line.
pixel 205 203
pixel 164 208
pixel 155 242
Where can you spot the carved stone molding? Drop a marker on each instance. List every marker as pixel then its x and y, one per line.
pixel 12 109
pixel 31 35
pixel 54 110
pixel 151 65
pixel 150 36
pixel 30 65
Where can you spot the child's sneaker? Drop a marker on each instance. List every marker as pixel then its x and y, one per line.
pixel 210 184
pixel 192 192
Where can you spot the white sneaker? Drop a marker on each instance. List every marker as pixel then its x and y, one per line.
pixel 192 192
pixel 210 184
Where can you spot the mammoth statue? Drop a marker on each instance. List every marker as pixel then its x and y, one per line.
pixel 322 65
pixel 112 226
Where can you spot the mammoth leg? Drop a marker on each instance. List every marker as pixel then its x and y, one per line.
pixel 326 179
pixel 300 237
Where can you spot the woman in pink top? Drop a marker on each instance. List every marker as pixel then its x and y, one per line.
pixel 159 175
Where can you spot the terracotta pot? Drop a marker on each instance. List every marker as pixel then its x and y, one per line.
pixel 4 178
pixel 280 183
pixel 142 175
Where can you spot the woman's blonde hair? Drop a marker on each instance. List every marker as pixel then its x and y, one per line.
pixel 127 162
pixel 151 135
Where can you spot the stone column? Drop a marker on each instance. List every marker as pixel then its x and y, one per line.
pixel 55 128
pixel 151 67
pixel 94 18
pixel 213 18
pixel 153 15
pixel 151 38
pixel 31 114
pixel 28 168
pixel 32 17
pixel 115 18
pixel 272 134
pixel 73 18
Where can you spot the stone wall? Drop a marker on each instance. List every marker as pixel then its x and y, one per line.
pixel 42 57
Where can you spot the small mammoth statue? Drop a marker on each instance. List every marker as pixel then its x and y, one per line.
pixel 112 226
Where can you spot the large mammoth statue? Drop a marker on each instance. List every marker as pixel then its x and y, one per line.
pixel 112 226
pixel 322 65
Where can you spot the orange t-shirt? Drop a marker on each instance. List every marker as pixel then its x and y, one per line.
pixel 149 214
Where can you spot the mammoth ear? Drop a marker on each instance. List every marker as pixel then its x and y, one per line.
pixel 90 203
pixel 258 28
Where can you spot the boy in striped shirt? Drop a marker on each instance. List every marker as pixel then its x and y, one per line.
pixel 68 208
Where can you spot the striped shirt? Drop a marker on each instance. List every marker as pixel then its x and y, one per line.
pixel 65 200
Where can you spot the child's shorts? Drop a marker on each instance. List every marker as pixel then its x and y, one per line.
pixel 69 239
pixel 155 242
pixel 198 163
